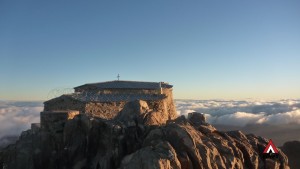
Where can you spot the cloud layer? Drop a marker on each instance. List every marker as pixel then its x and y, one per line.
pixel 16 117
pixel 242 113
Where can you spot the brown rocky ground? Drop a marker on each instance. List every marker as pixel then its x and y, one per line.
pixel 281 136
pixel 138 138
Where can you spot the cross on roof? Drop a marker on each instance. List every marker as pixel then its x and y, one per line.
pixel 118 77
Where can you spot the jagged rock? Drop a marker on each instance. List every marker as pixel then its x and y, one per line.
pixel 138 138
pixel 196 148
pixel 133 113
pixel 196 118
pixel 292 150
pixel 138 112
pixel 160 156
pixel 7 140
pixel 272 164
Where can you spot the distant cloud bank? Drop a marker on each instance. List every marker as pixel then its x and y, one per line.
pixel 16 117
pixel 242 113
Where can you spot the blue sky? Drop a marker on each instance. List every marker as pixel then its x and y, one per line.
pixel 206 49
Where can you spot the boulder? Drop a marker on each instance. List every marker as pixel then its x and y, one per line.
pixel 138 112
pixel 160 156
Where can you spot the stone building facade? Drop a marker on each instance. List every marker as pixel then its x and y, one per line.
pixel 107 99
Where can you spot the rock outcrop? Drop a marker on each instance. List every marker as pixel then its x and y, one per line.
pixel 292 150
pixel 138 137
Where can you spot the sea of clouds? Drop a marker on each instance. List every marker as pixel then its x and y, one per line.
pixel 16 117
pixel 242 113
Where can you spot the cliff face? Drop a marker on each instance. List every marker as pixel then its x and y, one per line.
pixel 138 137
pixel 292 150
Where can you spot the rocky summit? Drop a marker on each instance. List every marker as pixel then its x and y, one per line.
pixel 138 137
pixel 130 125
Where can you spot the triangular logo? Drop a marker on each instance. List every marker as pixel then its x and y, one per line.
pixel 270 148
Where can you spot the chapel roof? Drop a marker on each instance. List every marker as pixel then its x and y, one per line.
pixel 119 84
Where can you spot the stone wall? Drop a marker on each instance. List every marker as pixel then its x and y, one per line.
pixel 64 103
pixel 122 91
pixel 109 110
pixel 131 91
pixel 106 110
pixel 169 101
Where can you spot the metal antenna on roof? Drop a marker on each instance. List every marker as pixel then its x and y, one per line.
pixel 118 77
